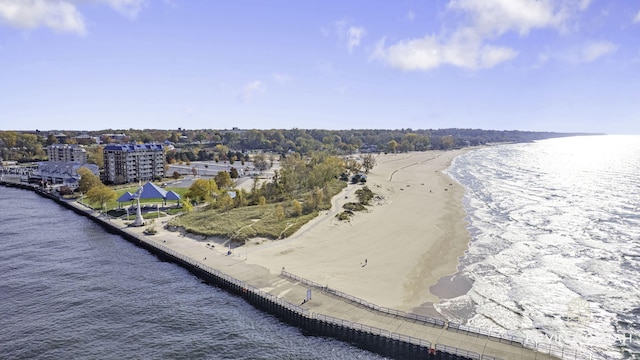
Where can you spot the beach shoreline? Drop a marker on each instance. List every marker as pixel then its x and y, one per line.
pixel 398 254
pixel 411 237
pixel 331 311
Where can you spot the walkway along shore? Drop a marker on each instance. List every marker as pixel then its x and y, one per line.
pixel 329 312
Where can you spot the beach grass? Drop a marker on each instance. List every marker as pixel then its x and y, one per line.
pixel 252 221
pixel 242 223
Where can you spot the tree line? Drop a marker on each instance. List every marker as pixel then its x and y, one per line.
pixel 191 145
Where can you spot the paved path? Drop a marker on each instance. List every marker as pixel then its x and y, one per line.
pixel 326 303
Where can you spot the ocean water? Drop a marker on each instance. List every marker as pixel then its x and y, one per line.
pixel 69 290
pixel 555 250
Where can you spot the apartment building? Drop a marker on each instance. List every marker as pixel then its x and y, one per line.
pixel 132 163
pixel 67 153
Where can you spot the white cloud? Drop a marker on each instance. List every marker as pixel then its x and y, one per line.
pixel 250 90
pixel 30 14
pixel 462 50
pixel 496 17
pixel 282 78
pixel 467 45
pixel 128 8
pixel 595 50
pixel 59 15
pixel 352 34
pixel 637 18
pixel 355 34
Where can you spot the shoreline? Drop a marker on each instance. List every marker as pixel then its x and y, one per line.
pixel 373 327
pixel 411 237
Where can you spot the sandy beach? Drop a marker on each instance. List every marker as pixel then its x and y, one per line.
pixel 412 235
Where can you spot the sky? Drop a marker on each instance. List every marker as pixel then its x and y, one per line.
pixel 531 65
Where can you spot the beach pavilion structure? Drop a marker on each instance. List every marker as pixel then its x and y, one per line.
pixel 150 191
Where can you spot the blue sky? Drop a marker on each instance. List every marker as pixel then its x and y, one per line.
pixel 541 65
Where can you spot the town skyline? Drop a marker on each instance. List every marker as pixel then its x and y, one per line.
pixel 558 66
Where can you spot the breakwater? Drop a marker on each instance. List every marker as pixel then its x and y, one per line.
pixel 375 338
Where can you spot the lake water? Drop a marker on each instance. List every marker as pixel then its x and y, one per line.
pixel 555 250
pixel 554 257
pixel 68 289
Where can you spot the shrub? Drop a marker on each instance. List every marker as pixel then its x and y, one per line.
pixel 351 206
pixel 345 215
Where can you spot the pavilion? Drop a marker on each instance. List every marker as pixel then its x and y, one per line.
pixel 151 191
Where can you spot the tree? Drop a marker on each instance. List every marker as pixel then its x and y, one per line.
pixel 101 194
pixel 224 202
pixel 241 198
pixel 202 190
pixel 95 155
pixel 186 205
pixel 260 162
pixel 233 172
pixel 223 180
pixel 51 139
pixel 447 142
pixel 87 180
pixel 393 146
pixel 368 162
pixel 353 166
pixel 203 155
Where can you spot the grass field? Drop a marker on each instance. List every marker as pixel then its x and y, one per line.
pixel 250 221
pixel 242 223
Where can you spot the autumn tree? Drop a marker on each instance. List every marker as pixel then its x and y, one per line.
pixel 88 180
pixel 51 139
pixel 260 162
pixel 95 155
pixel 368 162
pixel 392 145
pixel 224 202
pixel 353 166
pixel 101 194
pixel 186 205
pixel 223 180
pixel 202 190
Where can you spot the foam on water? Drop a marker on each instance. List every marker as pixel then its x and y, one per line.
pixel 555 250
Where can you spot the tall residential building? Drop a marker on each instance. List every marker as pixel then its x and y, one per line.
pixel 67 153
pixel 131 163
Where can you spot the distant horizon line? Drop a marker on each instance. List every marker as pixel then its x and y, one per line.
pixel 322 129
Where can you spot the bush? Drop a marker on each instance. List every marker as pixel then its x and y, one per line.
pixel 364 195
pixel 351 206
pixel 345 215
pixel 65 190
